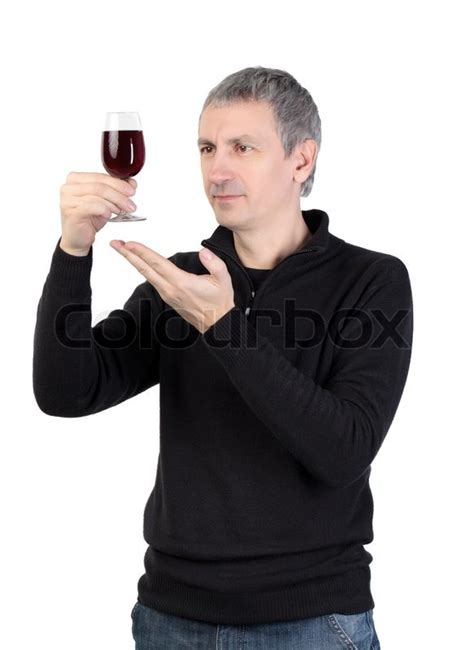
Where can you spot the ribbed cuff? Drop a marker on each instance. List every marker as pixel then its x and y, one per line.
pixel 230 335
pixel 70 273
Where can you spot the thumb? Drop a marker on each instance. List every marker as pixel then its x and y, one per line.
pixel 213 263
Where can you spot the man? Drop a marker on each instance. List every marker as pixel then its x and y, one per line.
pixel 281 359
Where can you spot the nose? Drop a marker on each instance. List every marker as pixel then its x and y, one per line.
pixel 220 168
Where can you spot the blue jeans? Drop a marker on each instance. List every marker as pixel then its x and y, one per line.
pixel 154 630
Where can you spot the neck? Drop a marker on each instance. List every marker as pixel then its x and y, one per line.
pixel 265 247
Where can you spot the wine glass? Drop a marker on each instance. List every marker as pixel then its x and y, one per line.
pixel 123 150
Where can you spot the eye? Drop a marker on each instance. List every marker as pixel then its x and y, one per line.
pixel 245 146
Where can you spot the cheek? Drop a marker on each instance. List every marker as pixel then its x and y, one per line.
pixel 267 177
pixel 277 179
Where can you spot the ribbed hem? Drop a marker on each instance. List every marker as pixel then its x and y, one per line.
pixel 70 273
pixel 345 594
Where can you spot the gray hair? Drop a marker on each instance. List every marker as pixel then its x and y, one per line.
pixel 296 115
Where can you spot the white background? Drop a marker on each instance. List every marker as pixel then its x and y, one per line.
pixel 393 84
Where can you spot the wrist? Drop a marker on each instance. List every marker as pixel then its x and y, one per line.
pixel 217 317
pixel 78 252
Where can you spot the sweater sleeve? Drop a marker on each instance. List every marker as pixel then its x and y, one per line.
pixel 78 369
pixel 334 430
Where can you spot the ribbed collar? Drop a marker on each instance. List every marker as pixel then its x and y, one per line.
pixel 316 220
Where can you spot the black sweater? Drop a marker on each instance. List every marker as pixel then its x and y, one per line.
pixel 269 421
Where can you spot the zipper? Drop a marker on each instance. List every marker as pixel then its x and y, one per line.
pixel 253 292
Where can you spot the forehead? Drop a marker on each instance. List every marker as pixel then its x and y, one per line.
pixel 253 119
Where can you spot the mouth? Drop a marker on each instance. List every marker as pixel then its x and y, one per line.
pixel 227 197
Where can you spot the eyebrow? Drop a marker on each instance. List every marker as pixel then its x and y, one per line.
pixel 245 136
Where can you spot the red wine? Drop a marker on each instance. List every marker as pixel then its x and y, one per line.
pixel 123 152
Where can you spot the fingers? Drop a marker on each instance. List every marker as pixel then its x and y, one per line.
pixel 90 201
pixel 93 209
pixel 148 266
pixel 155 261
pixel 77 193
pixel 141 256
pixel 118 184
pixel 87 201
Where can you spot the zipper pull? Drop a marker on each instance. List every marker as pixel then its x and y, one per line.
pixel 247 310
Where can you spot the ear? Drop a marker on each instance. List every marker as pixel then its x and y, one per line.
pixel 305 158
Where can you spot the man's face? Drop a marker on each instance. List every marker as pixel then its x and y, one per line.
pixel 241 154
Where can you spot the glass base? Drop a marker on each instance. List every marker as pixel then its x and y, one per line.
pixel 126 216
